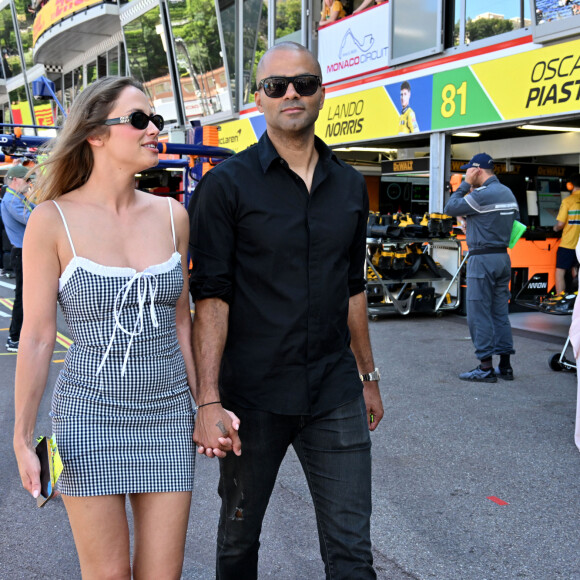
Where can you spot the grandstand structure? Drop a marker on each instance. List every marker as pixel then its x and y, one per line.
pixel 550 10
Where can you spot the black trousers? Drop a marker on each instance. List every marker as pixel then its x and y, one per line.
pixel 16 324
pixel 334 450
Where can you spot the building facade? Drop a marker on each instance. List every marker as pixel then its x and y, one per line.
pixel 413 87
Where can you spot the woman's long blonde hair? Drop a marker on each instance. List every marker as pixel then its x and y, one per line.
pixel 69 159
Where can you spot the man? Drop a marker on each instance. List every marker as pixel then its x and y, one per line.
pixel 407 120
pixel 568 222
pixel 16 209
pixel 490 209
pixel 278 247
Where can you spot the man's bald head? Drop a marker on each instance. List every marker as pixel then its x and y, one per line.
pixel 286 46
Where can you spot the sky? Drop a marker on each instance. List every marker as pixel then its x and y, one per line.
pixel 509 8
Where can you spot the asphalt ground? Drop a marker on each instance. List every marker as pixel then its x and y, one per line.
pixel 444 448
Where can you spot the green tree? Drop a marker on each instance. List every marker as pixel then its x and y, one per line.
pixel 195 22
pixel 486 27
pixel 288 17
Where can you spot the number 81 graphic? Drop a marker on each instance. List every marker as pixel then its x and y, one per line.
pixel 448 94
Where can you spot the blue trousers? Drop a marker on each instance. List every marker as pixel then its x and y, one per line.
pixel 335 452
pixel 488 294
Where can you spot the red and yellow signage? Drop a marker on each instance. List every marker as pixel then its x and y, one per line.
pixel 54 11
pixel 22 116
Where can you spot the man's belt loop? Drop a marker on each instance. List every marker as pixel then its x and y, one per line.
pixel 480 251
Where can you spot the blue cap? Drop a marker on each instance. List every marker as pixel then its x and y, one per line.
pixel 481 161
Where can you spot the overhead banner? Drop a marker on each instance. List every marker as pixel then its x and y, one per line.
pixel 354 45
pixel 542 83
pixel 353 117
pixel 54 11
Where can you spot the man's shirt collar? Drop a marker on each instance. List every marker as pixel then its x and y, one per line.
pixel 267 152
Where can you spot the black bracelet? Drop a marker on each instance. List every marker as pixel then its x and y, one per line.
pixel 206 404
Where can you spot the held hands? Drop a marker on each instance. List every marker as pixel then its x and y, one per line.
pixel 29 468
pixel 374 404
pixel 216 431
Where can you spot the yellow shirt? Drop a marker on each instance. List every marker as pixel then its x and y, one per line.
pixel 336 6
pixel 408 121
pixel 570 215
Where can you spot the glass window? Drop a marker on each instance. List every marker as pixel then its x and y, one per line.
pixel 78 81
pixel 91 72
pixel 199 56
pixel 25 22
pixel 414 37
pixel 113 61
pixel 10 58
pixel 484 20
pixel 6 118
pixel 20 108
pixel 288 20
pixel 68 93
pixel 255 42
pixel 456 7
pixel 57 79
pixel 101 65
pixel 122 60
pixel 553 20
pixel 227 10
pixel 145 43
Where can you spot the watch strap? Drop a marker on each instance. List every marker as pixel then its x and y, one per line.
pixel 373 376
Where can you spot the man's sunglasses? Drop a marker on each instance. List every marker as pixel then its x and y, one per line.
pixel 304 85
pixel 138 119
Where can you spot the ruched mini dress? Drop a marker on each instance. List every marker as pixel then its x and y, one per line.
pixel 121 410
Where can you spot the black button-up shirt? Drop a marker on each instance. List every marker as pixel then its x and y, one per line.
pixel 286 262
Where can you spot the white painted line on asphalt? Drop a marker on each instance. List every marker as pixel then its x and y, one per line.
pixel 4 314
pixel 7 285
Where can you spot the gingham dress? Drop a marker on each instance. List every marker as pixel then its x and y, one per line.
pixel 121 410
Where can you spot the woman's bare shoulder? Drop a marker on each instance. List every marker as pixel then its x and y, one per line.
pixel 44 214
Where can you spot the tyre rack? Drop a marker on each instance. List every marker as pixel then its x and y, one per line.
pixel 405 295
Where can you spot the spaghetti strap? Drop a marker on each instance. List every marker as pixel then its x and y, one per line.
pixel 66 228
pixel 172 224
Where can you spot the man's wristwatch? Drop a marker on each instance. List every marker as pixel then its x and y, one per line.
pixel 374 376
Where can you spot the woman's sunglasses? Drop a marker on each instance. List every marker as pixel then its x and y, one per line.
pixel 304 85
pixel 138 119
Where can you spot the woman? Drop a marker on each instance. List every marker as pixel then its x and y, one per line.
pixel 115 259
pixel 331 10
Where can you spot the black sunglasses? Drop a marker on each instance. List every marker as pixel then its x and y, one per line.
pixel 304 85
pixel 138 119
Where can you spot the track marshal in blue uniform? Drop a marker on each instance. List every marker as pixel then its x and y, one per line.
pixel 490 209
